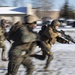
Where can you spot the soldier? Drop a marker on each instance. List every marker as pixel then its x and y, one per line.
pixel 49 36
pixel 2 39
pixel 19 52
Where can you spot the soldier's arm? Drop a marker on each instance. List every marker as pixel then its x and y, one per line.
pixel 50 33
pixel 32 47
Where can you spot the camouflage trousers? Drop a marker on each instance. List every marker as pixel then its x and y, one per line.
pixel 16 58
pixel 43 57
pixel 14 65
pixel 3 46
pixel 44 54
pixel 49 59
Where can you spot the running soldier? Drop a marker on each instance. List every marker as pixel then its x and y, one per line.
pixel 2 39
pixel 19 52
pixel 49 36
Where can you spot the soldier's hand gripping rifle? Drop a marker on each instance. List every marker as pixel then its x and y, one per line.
pixel 67 37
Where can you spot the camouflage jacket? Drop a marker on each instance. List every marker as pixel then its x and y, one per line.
pixel 22 34
pixel 50 37
pixel 22 38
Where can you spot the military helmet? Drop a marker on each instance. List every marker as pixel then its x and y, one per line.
pixel 55 23
pixel 30 19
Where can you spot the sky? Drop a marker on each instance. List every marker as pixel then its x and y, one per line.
pixel 57 4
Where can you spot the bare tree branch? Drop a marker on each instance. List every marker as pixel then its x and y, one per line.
pixel 43 7
pixel 18 3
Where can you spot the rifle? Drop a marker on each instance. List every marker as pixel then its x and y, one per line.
pixel 6 36
pixel 67 37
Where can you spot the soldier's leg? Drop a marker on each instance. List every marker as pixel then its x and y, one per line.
pixel 29 65
pixel 40 57
pixel 13 66
pixel 49 59
pixel 32 48
pixel 3 52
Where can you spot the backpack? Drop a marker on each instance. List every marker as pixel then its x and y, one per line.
pixel 13 33
pixel 42 31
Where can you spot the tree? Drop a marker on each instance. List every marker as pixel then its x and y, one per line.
pixel 43 7
pixel 66 11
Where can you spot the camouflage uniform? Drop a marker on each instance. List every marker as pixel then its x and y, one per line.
pixel 19 52
pixel 2 38
pixel 49 37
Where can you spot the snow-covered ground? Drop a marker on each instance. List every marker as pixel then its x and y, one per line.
pixel 62 64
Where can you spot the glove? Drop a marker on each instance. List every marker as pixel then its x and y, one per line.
pixel 66 42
